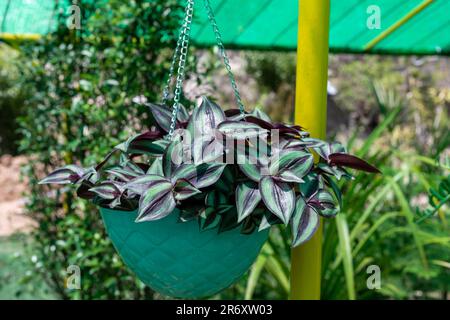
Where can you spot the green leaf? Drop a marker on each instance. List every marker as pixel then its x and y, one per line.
pixel 157 202
pixel 241 130
pixel 228 219
pixel 305 222
pixel 279 197
pixel 311 186
pixel 247 198
pixel 215 199
pixel 252 171
pixel 336 190
pixel 227 180
pixel 201 176
pixel 209 219
pixel 345 247
pixel 188 215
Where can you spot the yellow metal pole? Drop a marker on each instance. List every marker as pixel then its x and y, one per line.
pixel 311 113
pixel 19 37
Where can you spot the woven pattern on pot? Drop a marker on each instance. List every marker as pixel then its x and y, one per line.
pixel 179 260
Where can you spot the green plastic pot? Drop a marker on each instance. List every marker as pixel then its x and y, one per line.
pixel 177 259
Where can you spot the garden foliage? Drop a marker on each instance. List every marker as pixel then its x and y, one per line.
pixel 81 84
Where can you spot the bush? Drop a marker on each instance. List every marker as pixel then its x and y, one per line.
pixel 11 100
pixel 81 85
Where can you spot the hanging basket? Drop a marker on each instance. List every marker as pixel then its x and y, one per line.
pixel 179 260
pixel 226 211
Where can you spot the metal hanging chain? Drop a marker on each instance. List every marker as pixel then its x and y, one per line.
pixel 184 45
pixel 226 61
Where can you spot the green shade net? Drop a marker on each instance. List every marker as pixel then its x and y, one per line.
pixel 272 24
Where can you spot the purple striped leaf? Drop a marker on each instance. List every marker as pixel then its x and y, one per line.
pixel 252 163
pixel 337 172
pixel 329 205
pixel 247 198
pixel 173 157
pixel 107 190
pixel 149 142
pixel 157 202
pixel 184 189
pixel 141 184
pixel 162 115
pixel 292 166
pixel 70 174
pixel 201 176
pixel 241 130
pixel 205 118
pixel 183 114
pixel 305 222
pixel 268 220
pixel 251 171
pixel 123 174
pixel 207 149
pixel 258 113
pixel 279 197
pixel 289 176
pixel 283 129
pixel 156 167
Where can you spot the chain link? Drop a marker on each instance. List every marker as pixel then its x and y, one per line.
pixel 226 61
pixel 183 50
pixel 180 55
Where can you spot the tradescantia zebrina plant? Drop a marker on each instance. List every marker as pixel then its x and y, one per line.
pixel 225 169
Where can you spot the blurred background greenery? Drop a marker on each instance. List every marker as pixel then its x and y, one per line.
pixel 68 98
